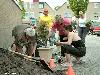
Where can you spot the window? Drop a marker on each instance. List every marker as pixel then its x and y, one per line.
pixel 40 13
pixel 29 15
pixel 67 15
pixel 28 5
pixel 31 5
pixel 41 5
pixel 96 5
pixel 67 7
pixel 25 5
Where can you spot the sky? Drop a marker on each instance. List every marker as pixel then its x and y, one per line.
pixel 54 3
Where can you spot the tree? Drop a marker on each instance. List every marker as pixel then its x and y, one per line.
pixel 78 5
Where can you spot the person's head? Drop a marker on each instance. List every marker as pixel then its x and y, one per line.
pixel 45 12
pixel 68 29
pixel 62 21
pixel 81 14
pixel 58 19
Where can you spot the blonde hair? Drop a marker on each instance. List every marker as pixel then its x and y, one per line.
pixel 80 12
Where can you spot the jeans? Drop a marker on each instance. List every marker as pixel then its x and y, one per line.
pixel 82 32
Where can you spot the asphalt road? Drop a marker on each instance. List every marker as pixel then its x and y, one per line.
pixel 91 64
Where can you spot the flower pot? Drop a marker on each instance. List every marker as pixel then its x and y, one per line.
pixel 45 53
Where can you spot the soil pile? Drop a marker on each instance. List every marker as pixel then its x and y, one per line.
pixel 11 64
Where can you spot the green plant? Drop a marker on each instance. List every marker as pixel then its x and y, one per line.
pixel 43 31
pixel 78 5
pixel 88 24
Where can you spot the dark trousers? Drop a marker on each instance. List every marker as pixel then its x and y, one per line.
pixel 63 51
pixel 82 32
pixel 77 52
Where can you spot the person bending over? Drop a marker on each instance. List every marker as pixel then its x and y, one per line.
pixel 74 46
pixel 24 35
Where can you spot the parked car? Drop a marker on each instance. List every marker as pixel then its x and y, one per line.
pixel 96 27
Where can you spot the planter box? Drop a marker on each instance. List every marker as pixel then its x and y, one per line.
pixel 45 53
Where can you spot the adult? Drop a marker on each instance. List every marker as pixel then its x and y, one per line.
pixel 59 26
pixel 24 35
pixel 46 18
pixel 82 29
pixel 74 46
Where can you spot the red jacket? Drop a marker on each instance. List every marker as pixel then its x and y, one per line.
pixel 60 27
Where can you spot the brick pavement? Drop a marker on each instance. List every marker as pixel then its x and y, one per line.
pixel 92 58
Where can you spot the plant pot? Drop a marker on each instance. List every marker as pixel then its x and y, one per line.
pixel 45 53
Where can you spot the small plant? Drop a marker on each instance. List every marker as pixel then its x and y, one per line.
pixel 88 24
pixel 42 32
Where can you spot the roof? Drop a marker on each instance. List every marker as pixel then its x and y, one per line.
pixel 61 6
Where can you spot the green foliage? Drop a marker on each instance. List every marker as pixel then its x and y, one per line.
pixel 22 9
pixel 78 5
pixel 43 31
pixel 88 24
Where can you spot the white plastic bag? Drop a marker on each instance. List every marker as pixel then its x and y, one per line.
pixel 30 31
pixel 57 36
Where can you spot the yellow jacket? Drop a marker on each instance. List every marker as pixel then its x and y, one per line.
pixel 47 19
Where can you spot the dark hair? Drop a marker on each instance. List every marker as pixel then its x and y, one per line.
pixel 69 28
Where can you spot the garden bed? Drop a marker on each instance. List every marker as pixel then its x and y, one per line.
pixel 12 64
